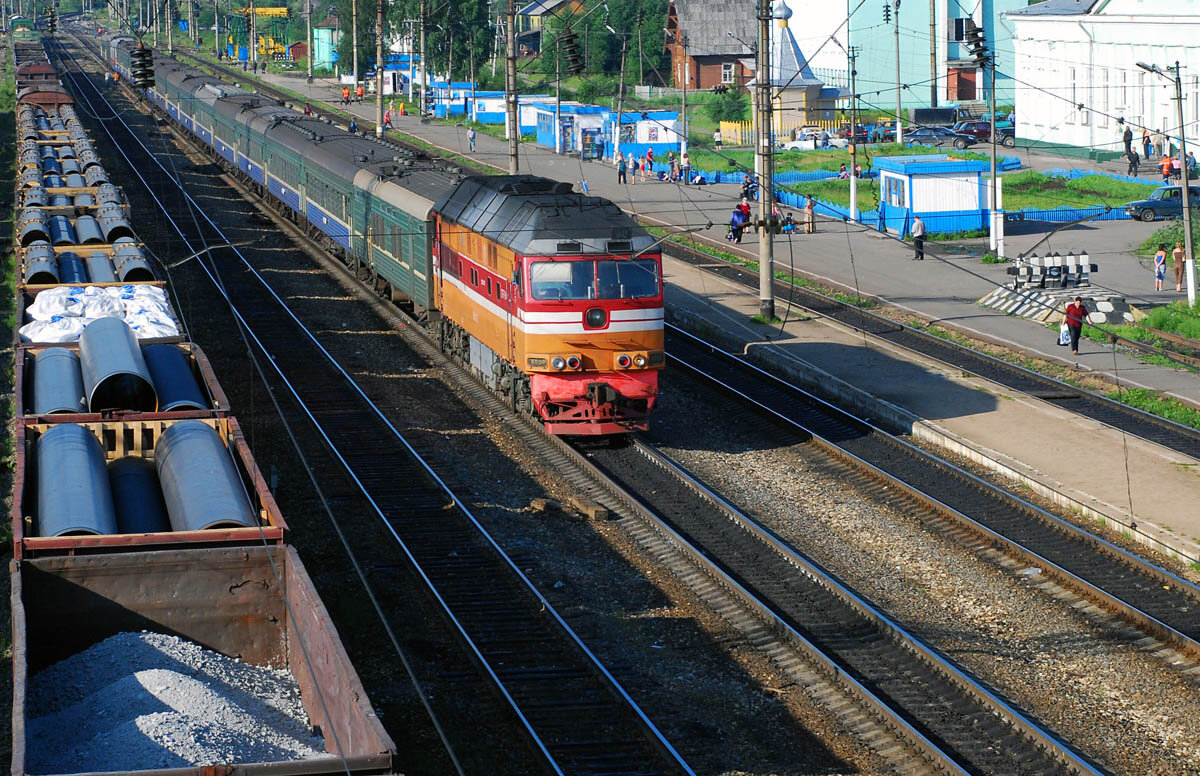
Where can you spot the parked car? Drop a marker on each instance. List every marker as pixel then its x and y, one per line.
pixel 982 131
pixel 881 133
pixel 1163 202
pixel 809 140
pixel 860 133
pixel 939 136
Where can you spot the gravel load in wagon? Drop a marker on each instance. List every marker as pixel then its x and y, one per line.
pixel 147 700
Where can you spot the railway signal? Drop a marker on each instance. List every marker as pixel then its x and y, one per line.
pixel 141 61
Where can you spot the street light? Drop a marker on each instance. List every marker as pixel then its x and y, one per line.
pixel 1189 256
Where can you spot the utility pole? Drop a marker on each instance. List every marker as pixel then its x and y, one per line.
pixel 558 95
pixel 641 59
pixel 308 37
pixel 170 26
pixel 253 53
pixel 1189 257
pixel 896 34
pixel 216 26
pixel 683 142
pixel 510 80
pixel 852 53
pixel 378 68
pixel 766 157
pixel 933 69
pixel 424 78
pixel 620 99
pixel 997 229
pixel 353 42
pixel 154 43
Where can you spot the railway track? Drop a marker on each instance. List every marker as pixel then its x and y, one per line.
pixel 1133 421
pixel 573 712
pixel 1149 597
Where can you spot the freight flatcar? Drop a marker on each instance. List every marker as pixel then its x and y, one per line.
pixel 554 298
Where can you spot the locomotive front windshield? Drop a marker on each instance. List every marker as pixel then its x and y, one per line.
pixel 604 279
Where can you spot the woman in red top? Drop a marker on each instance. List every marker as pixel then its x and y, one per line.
pixel 1075 316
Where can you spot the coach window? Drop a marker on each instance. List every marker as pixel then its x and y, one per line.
pixel 562 279
pixel 627 279
pixel 516 280
pixel 474 277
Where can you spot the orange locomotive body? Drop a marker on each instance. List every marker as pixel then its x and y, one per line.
pixel 554 298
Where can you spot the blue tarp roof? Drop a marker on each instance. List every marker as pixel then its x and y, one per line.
pixel 926 164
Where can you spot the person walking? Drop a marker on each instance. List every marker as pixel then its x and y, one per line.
pixel 353 127
pixel 633 169
pixel 672 166
pixel 650 160
pixel 647 160
pixel 1127 137
pixel 1160 266
pixel 358 93
pixel 1164 167
pixel 621 168
pixel 810 215
pixel 1074 317
pixel 737 224
pixel 345 95
pixel 1177 257
pixel 471 139
pixel 1176 168
pixel 744 206
pixel 717 139
pixel 685 163
pixel 918 235
pixel 307 109
pixel 1145 143
pixel 1132 169
pixel 387 119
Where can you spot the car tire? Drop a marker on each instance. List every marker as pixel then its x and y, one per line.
pixel 1009 142
pixel 960 144
pixel 1148 215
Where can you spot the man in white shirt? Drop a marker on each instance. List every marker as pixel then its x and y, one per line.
pixel 918 235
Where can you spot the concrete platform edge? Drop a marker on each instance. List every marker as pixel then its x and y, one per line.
pixel 900 421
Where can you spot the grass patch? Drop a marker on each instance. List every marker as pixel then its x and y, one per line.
pixel 1032 189
pixel 838 192
pixel 1176 318
pixel 762 319
pixel 1156 404
pixel 991 258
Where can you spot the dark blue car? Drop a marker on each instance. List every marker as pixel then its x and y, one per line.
pixel 1163 202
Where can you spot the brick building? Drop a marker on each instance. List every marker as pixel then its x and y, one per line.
pixel 709 42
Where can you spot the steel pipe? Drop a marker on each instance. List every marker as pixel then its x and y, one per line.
pixel 75 180
pixel 88 230
pixel 41 264
pixel 84 200
pixel 60 200
pixel 95 175
pixel 32 226
pixel 50 166
pixel 61 231
pixel 130 264
pixel 73 495
pixel 52 182
pixel 112 222
pixel 57 382
pixel 115 376
pixel 30 177
pixel 69 166
pixel 71 269
pixel 108 193
pixel 200 483
pixel 137 496
pixel 35 196
pixel 100 269
pixel 174 381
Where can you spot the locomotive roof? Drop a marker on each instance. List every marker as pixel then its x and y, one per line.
pixel 538 216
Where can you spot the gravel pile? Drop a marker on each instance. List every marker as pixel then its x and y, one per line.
pixel 148 700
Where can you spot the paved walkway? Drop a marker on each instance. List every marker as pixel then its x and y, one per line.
pixel 1072 460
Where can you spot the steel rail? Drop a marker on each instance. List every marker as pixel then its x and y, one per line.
pixel 657 739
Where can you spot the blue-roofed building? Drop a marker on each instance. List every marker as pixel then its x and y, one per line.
pixel 950 195
pixel 657 129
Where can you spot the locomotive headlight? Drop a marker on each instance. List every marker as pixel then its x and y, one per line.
pixel 559 363
pixel 573 362
pixel 623 361
pixel 639 361
pixel 595 317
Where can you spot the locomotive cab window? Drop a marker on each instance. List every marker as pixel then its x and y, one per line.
pixel 611 279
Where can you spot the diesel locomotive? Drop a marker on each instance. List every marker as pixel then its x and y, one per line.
pixel 552 297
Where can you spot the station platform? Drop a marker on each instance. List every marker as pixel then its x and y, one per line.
pixel 1074 461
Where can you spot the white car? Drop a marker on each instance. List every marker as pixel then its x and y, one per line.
pixel 808 141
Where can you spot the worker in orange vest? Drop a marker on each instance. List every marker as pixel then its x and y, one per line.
pixel 401 109
pixel 1165 166
pixel 359 92
pixel 345 95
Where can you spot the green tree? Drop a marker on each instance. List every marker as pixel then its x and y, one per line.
pixel 733 105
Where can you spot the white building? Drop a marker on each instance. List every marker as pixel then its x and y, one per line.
pixel 1076 71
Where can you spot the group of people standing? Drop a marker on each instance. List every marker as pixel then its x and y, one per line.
pixel 739 219
pixel 1160 266
pixel 1157 144
pixel 628 167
